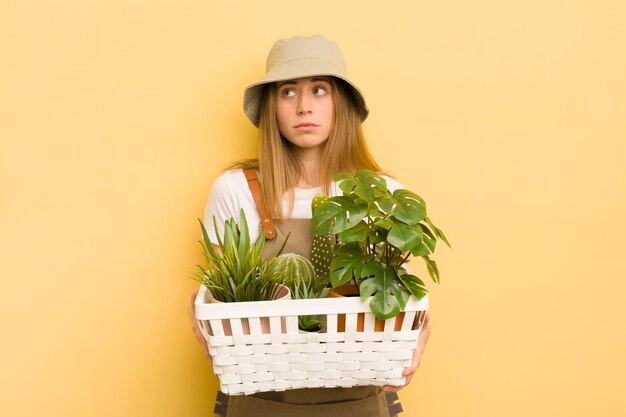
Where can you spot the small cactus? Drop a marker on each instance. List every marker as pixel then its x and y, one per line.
pixel 323 247
pixel 297 273
pixel 294 270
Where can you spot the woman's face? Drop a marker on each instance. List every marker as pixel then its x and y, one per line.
pixel 305 110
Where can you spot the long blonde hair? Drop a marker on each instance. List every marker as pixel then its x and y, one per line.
pixel 278 165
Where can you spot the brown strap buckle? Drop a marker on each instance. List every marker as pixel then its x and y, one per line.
pixel 255 187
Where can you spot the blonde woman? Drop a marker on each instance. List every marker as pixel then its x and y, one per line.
pixel 309 116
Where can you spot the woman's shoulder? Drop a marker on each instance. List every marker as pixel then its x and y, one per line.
pixel 230 188
pixel 231 180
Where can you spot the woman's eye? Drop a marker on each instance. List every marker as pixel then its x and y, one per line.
pixel 287 93
pixel 318 91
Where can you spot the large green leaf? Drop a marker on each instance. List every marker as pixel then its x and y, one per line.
pixel 420 250
pixel 358 233
pixel 349 217
pixel 348 262
pixel 372 269
pixel 385 223
pixel 414 285
pixel 388 298
pixel 324 216
pixel 363 183
pixel 428 238
pixel 337 214
pixel 432 268
pixel 403 236
pixel 384 307
pixel 405 205
pixel 437 231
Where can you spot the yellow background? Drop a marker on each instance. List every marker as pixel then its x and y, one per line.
pixel 508 117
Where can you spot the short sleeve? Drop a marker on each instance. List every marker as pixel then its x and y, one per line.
pixel 229 195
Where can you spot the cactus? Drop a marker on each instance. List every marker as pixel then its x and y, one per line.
pixel 294 270
pixel 297 273
pixel 322 249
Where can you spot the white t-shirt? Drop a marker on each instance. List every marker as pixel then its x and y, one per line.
pixel 230 194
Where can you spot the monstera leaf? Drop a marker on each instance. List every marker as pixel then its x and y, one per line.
pixel 347 264
pixel 362 184
pixel 403 236
pixel 382 282
pixel 337 214
pixel 404 205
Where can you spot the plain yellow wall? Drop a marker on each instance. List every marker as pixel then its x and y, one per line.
pixel 508 117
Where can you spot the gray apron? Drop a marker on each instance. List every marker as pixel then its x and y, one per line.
pixel 360 401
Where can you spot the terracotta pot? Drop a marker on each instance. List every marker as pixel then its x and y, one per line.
pixel 283 293
pixel 349 290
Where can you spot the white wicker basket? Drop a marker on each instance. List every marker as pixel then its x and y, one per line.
pixel 283 357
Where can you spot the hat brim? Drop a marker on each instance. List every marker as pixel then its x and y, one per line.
pixel 300 68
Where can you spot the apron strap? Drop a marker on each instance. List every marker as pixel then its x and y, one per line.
pixel 221 404
pixel 255 187
pixel 394 409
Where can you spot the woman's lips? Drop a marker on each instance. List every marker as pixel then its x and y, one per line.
pixel 306 126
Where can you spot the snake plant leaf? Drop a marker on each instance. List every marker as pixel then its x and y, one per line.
pixel 403 236
pixel 405 205
pixel 414 285
pixel 244 236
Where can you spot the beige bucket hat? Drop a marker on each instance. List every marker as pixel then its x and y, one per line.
pixel 300 56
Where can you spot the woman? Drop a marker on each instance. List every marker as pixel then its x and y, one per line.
pixel 309 116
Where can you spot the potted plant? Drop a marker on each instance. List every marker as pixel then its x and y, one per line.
pixel 236 270
pixel 376 232
pixel 299 275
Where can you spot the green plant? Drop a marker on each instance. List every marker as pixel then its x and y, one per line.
pixel 298 274
pixel 378 230
pixel 236 271
pixel 309 322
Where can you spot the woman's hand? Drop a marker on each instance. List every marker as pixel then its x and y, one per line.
pixel 417 356
pixel 196 328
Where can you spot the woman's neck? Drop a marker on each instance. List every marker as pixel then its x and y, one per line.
pixel 309 168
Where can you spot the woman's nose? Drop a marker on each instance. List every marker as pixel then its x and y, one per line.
pixel 304 105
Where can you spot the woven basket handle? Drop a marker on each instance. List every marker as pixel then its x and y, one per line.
pixel 255 187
